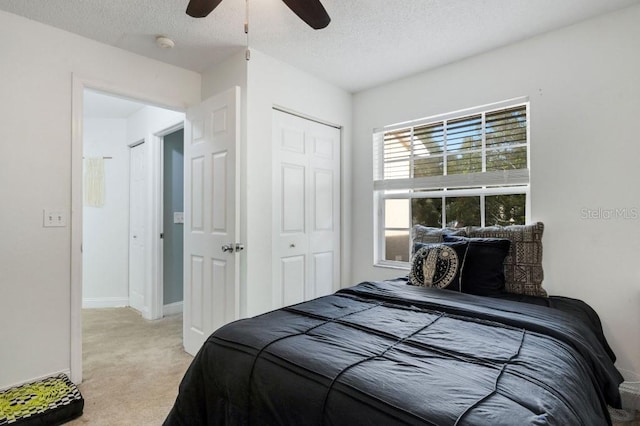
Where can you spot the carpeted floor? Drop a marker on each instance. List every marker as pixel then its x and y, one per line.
pixel 131 367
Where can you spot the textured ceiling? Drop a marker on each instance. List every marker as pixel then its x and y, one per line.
pixel 367 43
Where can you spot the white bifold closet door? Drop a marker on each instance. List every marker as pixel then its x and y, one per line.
pixel 306 209
pixel 137 228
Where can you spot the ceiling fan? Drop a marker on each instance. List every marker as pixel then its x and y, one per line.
pixel 310 11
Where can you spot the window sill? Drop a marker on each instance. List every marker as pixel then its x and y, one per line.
pixel 390 264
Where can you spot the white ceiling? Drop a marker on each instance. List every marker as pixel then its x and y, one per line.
pixel 99 105
pixel 368 42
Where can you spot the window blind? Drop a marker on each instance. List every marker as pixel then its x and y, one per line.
pixel 478 149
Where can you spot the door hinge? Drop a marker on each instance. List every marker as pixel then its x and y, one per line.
pixel 162 235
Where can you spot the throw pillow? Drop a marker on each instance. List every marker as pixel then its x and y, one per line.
pixel 523 266
pixel 483 269
pixel 428 234
pixel 438 265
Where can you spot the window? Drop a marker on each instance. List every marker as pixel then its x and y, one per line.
pixel 453 170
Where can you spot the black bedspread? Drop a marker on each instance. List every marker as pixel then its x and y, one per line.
pixel 383 353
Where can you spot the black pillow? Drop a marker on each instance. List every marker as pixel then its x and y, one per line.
pixel 483 269
pixel 438 264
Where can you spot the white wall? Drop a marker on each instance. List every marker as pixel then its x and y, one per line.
pixel 584 91
pixel 35 151
pixel 105 248
pixel 232 72
pixel 149 121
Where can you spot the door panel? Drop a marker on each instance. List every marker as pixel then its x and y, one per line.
pixel 219 162
pixel 293 274
pixel 306 196
pixel 322 270
pixel 219 293
pixel 196 284
pixel 211 217
pixel 197 195
pixel 323 202
pixel 293 199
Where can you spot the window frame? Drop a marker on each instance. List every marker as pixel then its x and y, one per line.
pixel 518 183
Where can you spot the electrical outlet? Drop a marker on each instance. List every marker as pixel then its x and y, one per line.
pixel 54 218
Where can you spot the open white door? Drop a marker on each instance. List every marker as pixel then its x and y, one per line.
pixel 211 249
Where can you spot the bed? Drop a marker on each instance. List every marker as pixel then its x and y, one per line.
pixel 386 352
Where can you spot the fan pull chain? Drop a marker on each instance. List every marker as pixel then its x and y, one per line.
pixel 247 53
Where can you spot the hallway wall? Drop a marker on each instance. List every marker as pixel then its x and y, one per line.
pixel 105 229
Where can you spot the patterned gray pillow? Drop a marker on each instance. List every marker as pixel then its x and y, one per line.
pixel 523 266
pixel 430 235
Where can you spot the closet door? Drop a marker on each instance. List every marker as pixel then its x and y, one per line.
pixel 137 229
pixel 306 209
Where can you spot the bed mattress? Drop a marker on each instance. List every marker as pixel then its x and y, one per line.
pixel 389 353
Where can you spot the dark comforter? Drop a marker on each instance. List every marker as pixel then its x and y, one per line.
pixel 383 353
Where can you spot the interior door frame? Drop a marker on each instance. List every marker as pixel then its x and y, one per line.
pixel 78 86
pixel 157 290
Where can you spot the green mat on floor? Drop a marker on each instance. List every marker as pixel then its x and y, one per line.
pixel 51 401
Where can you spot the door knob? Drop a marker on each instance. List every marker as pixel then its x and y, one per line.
pixel 228 248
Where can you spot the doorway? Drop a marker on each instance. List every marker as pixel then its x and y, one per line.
pixel 173 222
pixel 211 124
pixel 122 259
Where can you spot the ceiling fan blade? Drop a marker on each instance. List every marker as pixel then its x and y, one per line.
pixel 201 8
pixel 310 11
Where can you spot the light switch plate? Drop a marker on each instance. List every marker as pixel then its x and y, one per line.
pixel 178 217
pixel 54 218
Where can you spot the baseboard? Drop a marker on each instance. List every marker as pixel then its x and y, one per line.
pixel 630 395
pixel 35 379
pixel 104 302
pixel 172 308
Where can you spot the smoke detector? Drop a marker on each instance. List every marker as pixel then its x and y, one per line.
pixel 164 42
